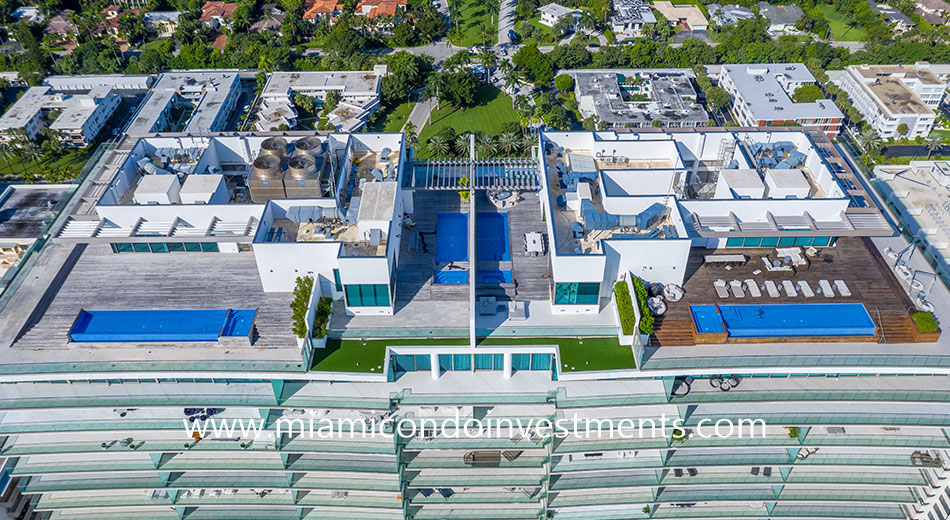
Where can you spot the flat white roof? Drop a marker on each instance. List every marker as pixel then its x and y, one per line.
pixel 767 99
pixel 215 87
pixel 782 178
pixel 200 183
pixel 348 83
pixel 156 183
pixel 742 179
pixel 378 201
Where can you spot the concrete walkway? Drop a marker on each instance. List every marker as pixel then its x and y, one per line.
pixel 420 114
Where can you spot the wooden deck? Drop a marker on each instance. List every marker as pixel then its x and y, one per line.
pixel 852 260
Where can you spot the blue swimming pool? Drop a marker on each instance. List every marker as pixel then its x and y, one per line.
pixel 450 277
pixel 494 276
pixel 492 237
pixel 451 237
pixel 801 319
pixel 143 326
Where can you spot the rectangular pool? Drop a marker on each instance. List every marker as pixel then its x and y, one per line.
pixel 450 277
pixel 451 237
pixel 492 237
pixel 494 276
pixel 144 326
pixel 797 319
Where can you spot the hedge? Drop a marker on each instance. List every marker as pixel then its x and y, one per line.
pixel 300 303
pixel 625 307
pixel 322 317
pixel 925 322
pixel 646 317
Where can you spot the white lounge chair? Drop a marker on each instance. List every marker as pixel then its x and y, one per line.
pixel 805 289
pixel 826 289
pixel 789 288
pixel 720 286
pixel 771 289
pixel 737 289
pixel 842 288
pixel 753 288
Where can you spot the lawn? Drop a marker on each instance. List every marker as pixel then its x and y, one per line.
pixel 491 110
pixel 839 24
pixel 66 166
pixel 472 16
pixel 354 355
pixel 392 119
pixel 153 45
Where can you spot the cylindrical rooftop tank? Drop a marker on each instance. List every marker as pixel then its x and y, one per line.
pixel 267 167
pixel 308 145
pixel 276 146
pixel 301 166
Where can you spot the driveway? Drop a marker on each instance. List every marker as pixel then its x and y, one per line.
pixel 420 113
pixel 506 21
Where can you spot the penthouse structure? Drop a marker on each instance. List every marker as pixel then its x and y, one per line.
pixel 762 96
pixel 429 309
pixel 359 97
pixel 889 96
pixel 187 101
pixel 639 98
pixel 77 118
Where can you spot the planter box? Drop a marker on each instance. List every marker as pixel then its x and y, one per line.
pixel 626 339
pixel 923 337
pixel 319 342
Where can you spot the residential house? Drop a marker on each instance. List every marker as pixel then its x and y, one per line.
pixel 60 25
pixel 933 11
pixel 217 14
pixel 162 23
pixel 551 13
pixel 781 17
pixel 316 10
pixel 728 14
pixel 376 8
pixel 629 17
pixel 891 95
pixel 899 21
pixel 28 12
pixel 110 25
pixel 687 16
pixel 270 20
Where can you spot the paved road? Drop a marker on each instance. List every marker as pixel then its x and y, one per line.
pixel 420 113
pixel 506 21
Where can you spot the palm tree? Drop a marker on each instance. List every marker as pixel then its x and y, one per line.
pixel 31 151
pixel 433 87
pixel 871 143
pixel 508 141
pixel 264 63
pixel 486 144
pixel 934 142
pixel 437 145
pixel 511 81
pixel 6 151
pixel 488 59
pixel 410 130
pixel 505 66
pixel 461 144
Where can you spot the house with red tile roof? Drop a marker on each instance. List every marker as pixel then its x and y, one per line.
pixel 381 8
pixel 315 10
pixel 217 14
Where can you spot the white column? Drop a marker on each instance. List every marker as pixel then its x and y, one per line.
pixel 434 361
pixel 509 369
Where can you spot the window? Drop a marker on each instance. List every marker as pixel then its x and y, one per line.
pixel 734 242
pixel 336 280
pixel 192 247
pixel 540 361
pixel 176 247
pixel 405 363
pixel 462 362
pixel 159 247
pixel 423 362
pixel 483 362
pixel 821 241
pixel 786 241
pixel 209 247
pixel 803 241
pixel 140 248
pixel 367 295
pixel 577 293
pixel 752 242
pixel 521 361
pixel 769 241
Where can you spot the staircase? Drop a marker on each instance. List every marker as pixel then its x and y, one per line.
pixel 672 332
pixel 895 329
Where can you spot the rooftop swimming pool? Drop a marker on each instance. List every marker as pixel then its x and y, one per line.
pixel 144 326
pixel 494 276
pixel 794 319
pixel 492 237
pixel 450 277
pixel 451 237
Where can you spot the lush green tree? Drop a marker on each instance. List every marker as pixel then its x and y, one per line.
pixel 536 66
pixel 807 94
pixel 305 104
pixel 460 89
pixel 556 117
pixel 437 145
pixel 902 129
pixel 406 72
pixel 717 98
pixel 486 146
pixel 332 100
pixel 564 82
pixel 870 142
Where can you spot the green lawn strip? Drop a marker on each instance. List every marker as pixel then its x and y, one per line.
pixel 473 14
pixel 17 166
pixel 839 23
pixel 579 355
pixel 392 118
pixel 354 355
pixel 492 109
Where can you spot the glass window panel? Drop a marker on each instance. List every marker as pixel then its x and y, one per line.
pixel 499 361
pixel 405 363
pixel 336 280
pixel 192 247
pixel 209 247
pixel 124 248
pixel 353 298
pixel 540 361
pixel 521 361
pixel 140 247
pixel 769 241
pixel 821 241
pixel 115 247
pixel 571 293
pixel 176 247
pixel 445 361
pixel 734 242
pixel 462 361
pixel 483 361
pixel 159 247
pixel 803 241
pixel 751 242
pixel 423 362
pixel 786 241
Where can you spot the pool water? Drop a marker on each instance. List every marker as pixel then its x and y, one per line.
pixel 492 237
pixel 450 277
pixel 800 319
pixel 451 237
pixel 494 276
pixel 143 326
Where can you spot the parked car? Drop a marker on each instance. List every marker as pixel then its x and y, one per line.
pixel 512 35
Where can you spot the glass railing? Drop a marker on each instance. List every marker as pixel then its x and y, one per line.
pixel 594 444
pixel 525 513
pixel 408 397
pixel 515 497
pixel 458 462
pixel 222 481
pixel 164 446
pixel 443 481
pixel 561 483
pixel 823 361
pixel 830 418
pixel 475 443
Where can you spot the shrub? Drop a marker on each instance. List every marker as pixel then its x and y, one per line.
pixel 925 322
pixel 679 435
pixel 625 307
pixel 322 317
pixel 300 303
pixel 793 432
pixel 646 317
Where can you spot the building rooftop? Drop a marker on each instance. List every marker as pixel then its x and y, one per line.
pixel 207 89
pixel 897 98
pixel 673 12
pixel 555 10
pixel 75 115
pixel 922 188
pixel 922 73
pixel 76 108
pixel 348 83
pixel 25 208
pixel 613 95
pixel 762 88
pixel 626 11
pixel 890 14
pixel 215 9
pixel 781 14
pixel 729 14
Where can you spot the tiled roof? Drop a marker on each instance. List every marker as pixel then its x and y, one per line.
pixel 217 9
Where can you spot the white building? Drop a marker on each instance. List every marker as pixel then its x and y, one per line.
pixel 189 101
pixel 162 23
pixel 77 117
pixel 889 96
pixel 629 17
pixel 553 12
pixel 762 96
pixel 122 83
pixel 359 91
